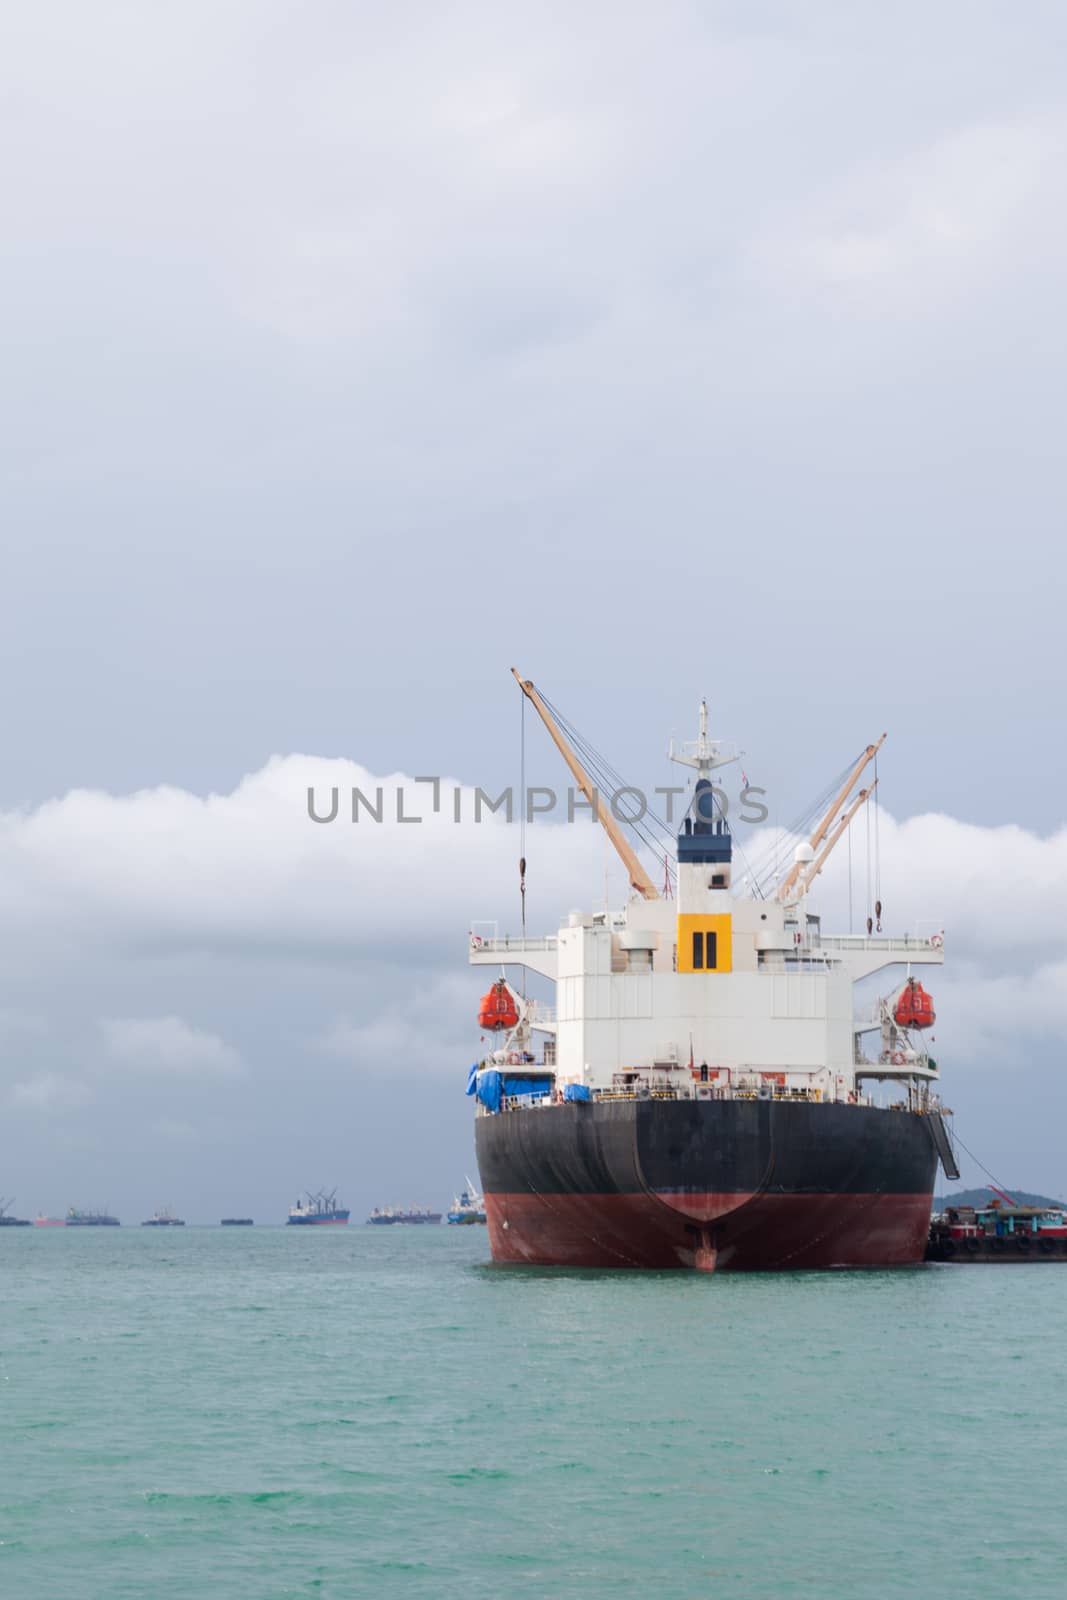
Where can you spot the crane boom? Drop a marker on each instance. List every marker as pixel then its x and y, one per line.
pixel 821 831
pixel 639 878
pixel 820 861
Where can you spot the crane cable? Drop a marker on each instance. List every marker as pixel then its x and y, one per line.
pixel 867 824
pixel 767 861
pixel 522 827
pixel 877 853
pixel 608 777
pixel 849 834
pixel 608 780
pixel 957 1140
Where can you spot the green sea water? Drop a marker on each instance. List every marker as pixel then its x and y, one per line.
pixel 258 1413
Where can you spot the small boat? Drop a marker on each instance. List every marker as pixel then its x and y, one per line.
pixel 468 1207
pixel 163 1219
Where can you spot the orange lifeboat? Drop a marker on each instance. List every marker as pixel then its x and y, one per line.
pixel 497 1010
pixel 914 1007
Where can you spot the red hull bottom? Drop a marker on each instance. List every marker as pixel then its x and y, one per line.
pixel 737 1233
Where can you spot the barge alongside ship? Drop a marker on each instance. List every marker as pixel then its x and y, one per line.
pixel 704 1099
pixel 1001 1232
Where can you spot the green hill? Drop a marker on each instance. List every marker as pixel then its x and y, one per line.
pixel 982 1197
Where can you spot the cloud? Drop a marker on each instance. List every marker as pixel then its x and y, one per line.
pixel 162 872
pixel 49 1091
pixel 994 891
pixel 343 945
pixel 918 219
pixel 167 1045
pixel 759 276
pixel 15 1023
pixel 434 1024
pixel 173 1129
pixel 248 871
pixel 993 1015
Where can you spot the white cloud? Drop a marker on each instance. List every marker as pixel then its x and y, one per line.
pixel 168 1045
pixel 997 1019
pixel 995 892
pixel 49 1091
pixel 953 199
pixel 163 871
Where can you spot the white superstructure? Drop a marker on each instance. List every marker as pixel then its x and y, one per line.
pixel 716 991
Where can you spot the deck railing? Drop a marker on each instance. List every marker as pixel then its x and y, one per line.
pixel 908 944
pixel 516 945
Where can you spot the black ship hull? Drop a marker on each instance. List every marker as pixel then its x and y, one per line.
pixel 738 1185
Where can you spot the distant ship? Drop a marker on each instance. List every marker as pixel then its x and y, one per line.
pixel 41 1221
pixel 236 1222
pixel 317 1208
pixel 468 1207
pixel 413 1214
pixel 11 1222
pixel 76 1218
pixel 163 1219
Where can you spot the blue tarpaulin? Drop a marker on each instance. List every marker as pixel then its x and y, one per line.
pixel 472 1079
pixel 490 1089
pixel 527 1085
pixel 577 1091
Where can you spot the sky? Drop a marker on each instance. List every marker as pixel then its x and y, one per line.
pixel 354 355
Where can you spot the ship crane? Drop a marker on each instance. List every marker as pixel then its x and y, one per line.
pixel 821 860
pixel 806 861
pixel 639 878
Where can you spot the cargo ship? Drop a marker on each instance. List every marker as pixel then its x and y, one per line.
pixel 76 1218
pixel 163 1219
pixel 237 1222
pixel 393 1214
pixel 467 1208
pixel 703 1097
pixel 8 1221
pixel 41 1221
pixel 316 1209
pixel 1002 1231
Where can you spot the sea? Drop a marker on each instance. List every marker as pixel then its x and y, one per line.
pixel 257 1413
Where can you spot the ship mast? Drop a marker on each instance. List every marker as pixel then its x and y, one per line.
pixel 639 878
pixel 703 753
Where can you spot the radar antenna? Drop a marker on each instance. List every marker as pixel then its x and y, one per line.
pixel 704 754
